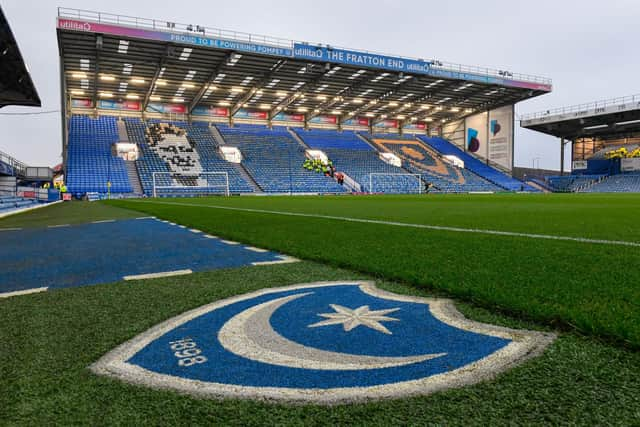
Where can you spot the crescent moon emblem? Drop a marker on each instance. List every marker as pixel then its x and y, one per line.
pixel 249 334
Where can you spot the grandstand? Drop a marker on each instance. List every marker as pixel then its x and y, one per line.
pixel 604 136
pixel 271 100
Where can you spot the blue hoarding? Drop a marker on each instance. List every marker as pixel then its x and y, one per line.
pixel 230 45
pixel 360 59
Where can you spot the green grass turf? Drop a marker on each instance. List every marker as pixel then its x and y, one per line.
pixel 48 340
pixel 590 287
pixel 66 213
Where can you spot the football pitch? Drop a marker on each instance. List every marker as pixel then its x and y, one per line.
pixel 563 263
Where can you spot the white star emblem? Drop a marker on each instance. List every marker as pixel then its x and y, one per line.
pixel 351 319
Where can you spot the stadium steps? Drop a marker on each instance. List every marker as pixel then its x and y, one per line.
pixel 365 140
pixel 300 141
pixel 217 136
pixel 123 136
pixel 593 185
pixel 242 171
pixel 134 178
pixel 247 176
pixel 540 187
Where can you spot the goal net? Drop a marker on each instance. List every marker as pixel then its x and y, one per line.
pixel 395 183
pixel 172 184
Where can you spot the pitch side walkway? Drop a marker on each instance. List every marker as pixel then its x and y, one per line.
pixel 34 260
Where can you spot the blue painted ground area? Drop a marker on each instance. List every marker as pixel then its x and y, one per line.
pixel 106 252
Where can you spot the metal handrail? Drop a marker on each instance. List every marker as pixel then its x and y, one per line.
pixel 16 164
pixel 583 107
pixel 175 27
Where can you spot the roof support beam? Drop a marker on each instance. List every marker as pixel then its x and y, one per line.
pixel 208 82
pixel 324 106
pixel 357 85
pixel 423 117
pixel 282 105
pixel 156 76
pixel 308 87
pixel 97 70
pixel 380 99
pixel 266 77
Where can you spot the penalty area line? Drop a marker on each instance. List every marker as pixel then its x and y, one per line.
pixel 410 225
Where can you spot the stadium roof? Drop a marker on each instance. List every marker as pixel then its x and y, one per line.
pixel 16 86
pixel 608 119
pixel 107 56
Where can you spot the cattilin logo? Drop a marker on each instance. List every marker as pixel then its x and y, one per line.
pixel 473 143
pixel 319 342
pixel 495 127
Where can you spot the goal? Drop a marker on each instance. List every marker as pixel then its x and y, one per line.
pixel 396 183
pixel 172 184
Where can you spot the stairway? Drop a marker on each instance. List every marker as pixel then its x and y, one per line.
pixel 247 177
pixel 123 136
pixel 366 140
pixel 217 135
pixel 299 140
pixel 134 179
pixel 537 186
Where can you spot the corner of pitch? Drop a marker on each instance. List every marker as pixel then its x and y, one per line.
pixel 328 342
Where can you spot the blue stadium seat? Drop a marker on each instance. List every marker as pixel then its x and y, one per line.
pixel 571 183
pixel 419 158
pixel 330 139
pixel 12 203
pixel 274 159
pixel 624 183
pixel 476 166
pixel 204 143
pixel 90 163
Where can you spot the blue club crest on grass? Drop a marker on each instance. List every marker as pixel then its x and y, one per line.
pixel 320 342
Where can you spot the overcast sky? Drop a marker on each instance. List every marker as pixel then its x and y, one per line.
pixel 589 48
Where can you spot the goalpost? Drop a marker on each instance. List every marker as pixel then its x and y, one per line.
pixel 173 184
pixel 411 183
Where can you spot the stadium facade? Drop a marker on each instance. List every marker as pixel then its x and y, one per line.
pixel 448 127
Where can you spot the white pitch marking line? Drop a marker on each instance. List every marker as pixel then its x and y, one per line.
pixel 103 221
pixel 210 237
pixel 10 229
pixel 193 230
pixel 25 292
pixel 283 260
pixel 229 242
pixel 59 226
pixel 158 275
pixel 252 249
pixel 148 217
pixel 410 225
